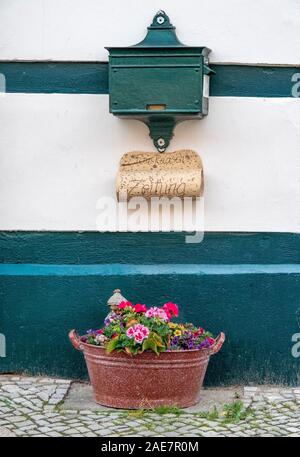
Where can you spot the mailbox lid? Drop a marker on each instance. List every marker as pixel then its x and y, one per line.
pixel 150 78
pixel 152 51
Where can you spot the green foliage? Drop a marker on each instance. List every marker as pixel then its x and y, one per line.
pixel 112 345
pixel 90 340
pixel 161 410
pixel 115 332
pixel 210 415
pixel 235 412
pixel 230 413
pixel 154 343
pixel 168 410
pixel 136 329
pixel 150 343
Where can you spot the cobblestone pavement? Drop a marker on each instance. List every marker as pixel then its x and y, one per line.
pixel 31 406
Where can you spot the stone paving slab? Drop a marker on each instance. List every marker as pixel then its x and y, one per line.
pixel 37 406
pixel 80 397
pixel 5 433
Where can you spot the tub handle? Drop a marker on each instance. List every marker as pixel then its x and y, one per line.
pixel 217 344
pixel 75 340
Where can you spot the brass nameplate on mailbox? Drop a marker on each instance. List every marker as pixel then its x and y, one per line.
pixel 148 174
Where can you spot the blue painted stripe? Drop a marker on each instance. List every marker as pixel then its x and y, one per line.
pixel 92 78
pixel 128 270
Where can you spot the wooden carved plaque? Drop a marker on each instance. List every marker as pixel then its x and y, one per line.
pixel 151 174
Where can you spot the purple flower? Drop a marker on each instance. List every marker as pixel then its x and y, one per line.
pixel 175 340
pixel 204 344
pixel 191 344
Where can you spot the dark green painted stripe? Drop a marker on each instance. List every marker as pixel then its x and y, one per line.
pixel 148 248
pixel 92 78
pixel 256 311
pixel 246 284
pixel 252 81
pixel 146 270
pixel 58 77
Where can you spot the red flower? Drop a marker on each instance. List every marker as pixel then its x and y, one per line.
pixel 138 308
pixel 125 304
pixel 99 332
pixel 171 309
pixel 210 340
pixel 199 332
pixel 114 336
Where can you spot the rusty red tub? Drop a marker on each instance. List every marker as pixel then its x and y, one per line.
pixel 146 380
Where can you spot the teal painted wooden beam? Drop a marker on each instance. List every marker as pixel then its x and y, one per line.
pixel 92 78
pixel 89 248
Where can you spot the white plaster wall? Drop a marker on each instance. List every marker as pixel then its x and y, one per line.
pixel 59 154
pixel 249 31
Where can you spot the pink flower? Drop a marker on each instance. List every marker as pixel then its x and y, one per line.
pixel 157 312
pixel 125 304
pixel 171 309
pixel 139 332
pixel 130 332
pixel 144 331
pixel 138 308
pixel 139 337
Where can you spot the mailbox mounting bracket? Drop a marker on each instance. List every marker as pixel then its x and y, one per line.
pixel 161 131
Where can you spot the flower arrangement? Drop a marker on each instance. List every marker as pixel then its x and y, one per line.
pixel 136 328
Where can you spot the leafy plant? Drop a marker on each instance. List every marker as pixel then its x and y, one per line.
pixel 234 412
pixel 135 329
pixel 210 415
pixel 168 410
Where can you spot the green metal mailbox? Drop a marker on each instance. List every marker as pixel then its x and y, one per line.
pixel 159 81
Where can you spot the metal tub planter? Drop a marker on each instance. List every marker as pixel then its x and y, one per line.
pixel 141 359
pixel 146 380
